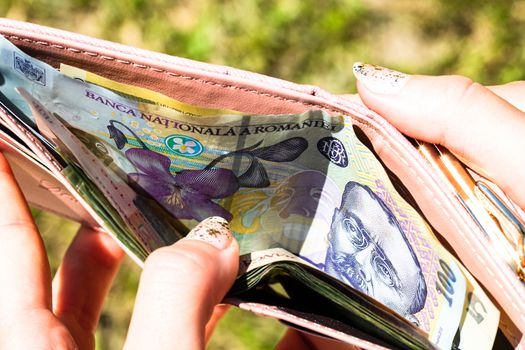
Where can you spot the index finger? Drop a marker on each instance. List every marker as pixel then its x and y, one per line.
pixel 476 124
pixel 25 277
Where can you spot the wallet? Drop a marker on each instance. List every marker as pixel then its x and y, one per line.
pixel 220 87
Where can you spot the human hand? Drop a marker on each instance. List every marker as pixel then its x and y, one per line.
pixel 180 284
pixel 483 126
pixel 34 312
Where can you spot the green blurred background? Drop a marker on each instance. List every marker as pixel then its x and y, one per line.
pixel 306 41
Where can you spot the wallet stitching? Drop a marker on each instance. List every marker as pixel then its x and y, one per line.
pixel 183 62
pixel 309 104
pixel 158 70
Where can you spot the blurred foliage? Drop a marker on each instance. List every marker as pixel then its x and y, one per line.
pixel 306 41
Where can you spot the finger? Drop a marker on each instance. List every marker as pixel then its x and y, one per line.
pixel 480 127
pixel 180 286
pixel 513 92
pixel 82 282
pixel 25 278
pixel 218 312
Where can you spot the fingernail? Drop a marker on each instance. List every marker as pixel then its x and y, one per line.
pixel 379 79
pixel 215 231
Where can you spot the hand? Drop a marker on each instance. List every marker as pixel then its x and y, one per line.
pixel 180 284
pixel 483 126
pixel 33 315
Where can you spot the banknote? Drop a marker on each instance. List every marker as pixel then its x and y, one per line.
pixel 304 183
pixel 476 329
pixel 477 326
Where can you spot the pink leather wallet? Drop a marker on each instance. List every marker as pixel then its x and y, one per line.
pixel 214 86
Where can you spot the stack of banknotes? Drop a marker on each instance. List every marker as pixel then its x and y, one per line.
pixel 316 215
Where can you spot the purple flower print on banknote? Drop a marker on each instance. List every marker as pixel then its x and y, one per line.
pixel 186 194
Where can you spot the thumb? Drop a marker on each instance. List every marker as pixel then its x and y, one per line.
pixel 180 286
pixel 478 126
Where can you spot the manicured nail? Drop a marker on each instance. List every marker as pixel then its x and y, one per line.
pixel 214 230
pixel 379 79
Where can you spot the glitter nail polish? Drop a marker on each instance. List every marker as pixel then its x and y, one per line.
pixel 379 79
pixel 215 231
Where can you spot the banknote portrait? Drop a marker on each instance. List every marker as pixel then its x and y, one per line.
pixel 369 251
